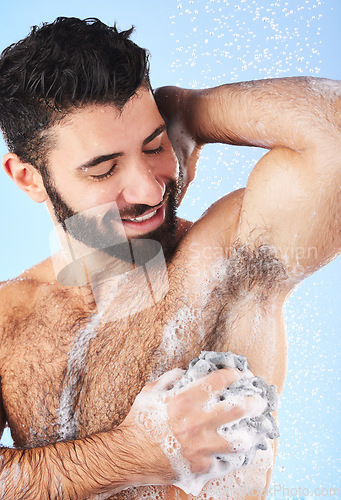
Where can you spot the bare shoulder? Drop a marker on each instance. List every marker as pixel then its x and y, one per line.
pixel 18 293
pixel 207 242
pixel 219 223
pixel 41 272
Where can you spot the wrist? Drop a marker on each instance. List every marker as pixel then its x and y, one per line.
pixel 142 461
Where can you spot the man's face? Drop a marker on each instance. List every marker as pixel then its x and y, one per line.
pixel 103 156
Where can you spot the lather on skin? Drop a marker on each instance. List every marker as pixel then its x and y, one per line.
pixel 84 130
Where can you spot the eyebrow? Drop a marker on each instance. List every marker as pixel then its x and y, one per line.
pixel 97 160
pixel 156 133
pixel 103 158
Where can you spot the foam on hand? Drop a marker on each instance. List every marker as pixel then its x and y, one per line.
pixel 247 434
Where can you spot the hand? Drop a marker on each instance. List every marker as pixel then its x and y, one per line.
pixel 196 413
pixel 172 103
pixel 183 424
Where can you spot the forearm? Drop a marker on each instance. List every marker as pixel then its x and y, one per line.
pixel 104 463
pixel 296 113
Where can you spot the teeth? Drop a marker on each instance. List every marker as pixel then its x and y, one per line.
pixel 144 217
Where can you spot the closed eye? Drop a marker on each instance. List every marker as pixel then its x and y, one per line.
pixel 110 172
pixel 156 151
pixel 106 175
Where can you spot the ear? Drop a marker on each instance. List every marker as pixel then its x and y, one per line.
pixel 25 176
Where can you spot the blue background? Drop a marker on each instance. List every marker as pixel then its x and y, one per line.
pixel 198 43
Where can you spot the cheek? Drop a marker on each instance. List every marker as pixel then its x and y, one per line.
pixel 103 192
pixel 170 165
pixel 83 197
pixel 105 195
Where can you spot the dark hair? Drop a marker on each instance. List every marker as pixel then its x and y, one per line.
pixel 59 66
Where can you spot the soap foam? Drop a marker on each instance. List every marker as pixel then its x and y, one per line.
pixel 247 434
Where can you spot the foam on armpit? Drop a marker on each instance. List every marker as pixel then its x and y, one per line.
pixel 247 434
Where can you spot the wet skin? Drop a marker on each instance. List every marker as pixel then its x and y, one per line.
pixel 102 398
pixel 228 278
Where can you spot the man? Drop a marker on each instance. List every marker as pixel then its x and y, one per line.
pixel 85 136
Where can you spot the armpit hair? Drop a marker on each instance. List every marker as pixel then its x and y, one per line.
pixel 257 270
pixel 249 276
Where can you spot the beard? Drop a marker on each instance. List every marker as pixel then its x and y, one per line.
pixel 99 232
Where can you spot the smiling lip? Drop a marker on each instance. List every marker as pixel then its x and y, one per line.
pixel 147 222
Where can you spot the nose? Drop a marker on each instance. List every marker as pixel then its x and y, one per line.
pixel 142 186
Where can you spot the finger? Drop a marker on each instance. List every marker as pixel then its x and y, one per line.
pixel 198 394
pixel 251 406
pixel 241 439
pixel 216 382
pixel 234 408
pixel 165 382
pixel 222 441
pixel 211 444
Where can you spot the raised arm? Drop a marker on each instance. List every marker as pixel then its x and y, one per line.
pixel 292 199
pixel 267 113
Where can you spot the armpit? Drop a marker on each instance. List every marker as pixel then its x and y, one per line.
pixel 249 269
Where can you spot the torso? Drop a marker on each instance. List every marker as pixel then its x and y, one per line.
pixel 68 373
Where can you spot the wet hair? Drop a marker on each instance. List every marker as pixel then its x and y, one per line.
pixel 57 68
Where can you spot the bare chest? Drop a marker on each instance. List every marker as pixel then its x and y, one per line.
pixel 69 373
pixel 69 370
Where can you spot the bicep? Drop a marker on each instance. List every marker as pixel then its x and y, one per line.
pixel 293 203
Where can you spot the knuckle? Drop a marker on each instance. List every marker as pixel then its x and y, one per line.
pixel 148 387
pixel 193 431
pixel 218 376
pixel 237 411
pixel 179 406
pixel 201 464
pixel 224 377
